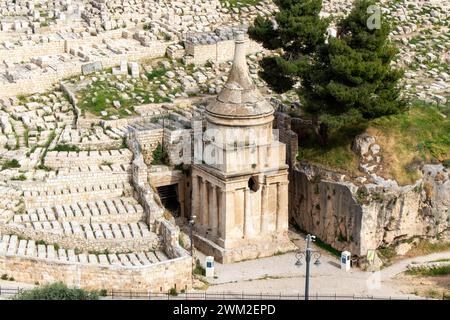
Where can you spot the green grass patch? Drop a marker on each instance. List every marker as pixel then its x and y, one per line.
pixel 420 135
pixel 318 241
pixel 240 3
pixel 333 157
pixel 66 147
pixel 425 247
pixel 387 252
pixel 430 272
pixel 10 164
pixel 441 260
pixel 327 247
pixel 100 96
pixel 21 177
pixel 50 138
pixel 26 136
pixel 156 74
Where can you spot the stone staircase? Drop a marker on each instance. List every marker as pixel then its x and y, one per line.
pixel 120 209
pixel 55 196
pixel 61 159
pixel 85 224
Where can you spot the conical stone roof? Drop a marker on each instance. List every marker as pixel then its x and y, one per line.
pixel 239 96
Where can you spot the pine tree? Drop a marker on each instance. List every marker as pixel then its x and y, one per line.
pixel 346 80
pixel 352 79
pixel 297 31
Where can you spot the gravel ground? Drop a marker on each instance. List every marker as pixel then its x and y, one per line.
pixel 278 274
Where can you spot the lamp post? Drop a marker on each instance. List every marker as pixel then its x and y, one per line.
pixel 308 255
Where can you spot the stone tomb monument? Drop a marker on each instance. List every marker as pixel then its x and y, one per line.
pixel 240 198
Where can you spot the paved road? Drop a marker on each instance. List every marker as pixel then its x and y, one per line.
pixel 278 274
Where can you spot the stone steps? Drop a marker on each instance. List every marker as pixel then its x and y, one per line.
pixel 86 176
pixel 11 245
pixel 76 159
pixel 89 231
pixel 50 197
pixel 123 209
pixel 94 140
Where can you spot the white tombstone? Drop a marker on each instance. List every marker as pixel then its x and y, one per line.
pixel 345 260
pixel 5 26
pixel 17 25
pixel 123 69
pixel 134 66
pixel 123 66
pixel 209 267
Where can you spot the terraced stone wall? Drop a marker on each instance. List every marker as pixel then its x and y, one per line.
pixel 157 277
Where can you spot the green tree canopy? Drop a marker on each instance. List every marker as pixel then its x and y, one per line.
pixel 352 77
pixel 346 80
pixel 297 30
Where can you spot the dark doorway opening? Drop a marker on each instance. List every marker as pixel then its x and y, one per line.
pixel 253 184
pixel 169 198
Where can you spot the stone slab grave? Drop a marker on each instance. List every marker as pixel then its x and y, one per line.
pixel 92 67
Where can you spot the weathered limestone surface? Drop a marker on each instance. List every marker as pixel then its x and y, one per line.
pixel 149 271
pixel 357 221
pixel 240 198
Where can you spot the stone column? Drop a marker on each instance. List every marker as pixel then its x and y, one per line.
pixel 204 203
pixel 248 228
pixel 282 206
pixel 226 218
pixel 264 208
pixel 222 215
pixel 195 201
pixel 213 210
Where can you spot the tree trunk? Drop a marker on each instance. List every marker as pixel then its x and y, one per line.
pixel 321 130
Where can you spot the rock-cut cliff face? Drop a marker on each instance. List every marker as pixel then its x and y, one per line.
pixel 359 218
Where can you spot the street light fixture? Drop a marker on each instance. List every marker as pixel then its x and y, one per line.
pixel 308 255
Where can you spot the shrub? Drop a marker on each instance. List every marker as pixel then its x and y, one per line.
pixel 173 292
pixel 362 195
pixel 4 276
pixel 11 164
pixel 57 291
pixel 160 156
pixel 21 177
pixel 199 268
pixel 446 163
